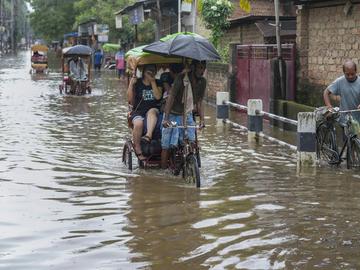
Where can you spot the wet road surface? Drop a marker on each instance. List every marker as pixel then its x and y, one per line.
pixel 67 202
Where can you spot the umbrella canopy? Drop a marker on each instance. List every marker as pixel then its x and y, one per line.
pixel 172 36
pixel 184 45
pixel 39 47
pixel 77 50
pixel 137 56
pixel 111 47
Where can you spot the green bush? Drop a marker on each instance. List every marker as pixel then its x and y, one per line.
pixel 215 14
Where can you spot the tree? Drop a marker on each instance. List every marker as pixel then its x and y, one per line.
pixel 52 19
pixel 215 14
pixel 103 12
pixel 244 4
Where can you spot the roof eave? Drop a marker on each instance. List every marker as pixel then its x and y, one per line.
pixel 252 18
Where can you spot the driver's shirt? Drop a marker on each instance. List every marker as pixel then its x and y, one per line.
pixel 78 70
pixel 349 93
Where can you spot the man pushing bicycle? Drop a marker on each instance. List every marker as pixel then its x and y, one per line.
pixel 347 87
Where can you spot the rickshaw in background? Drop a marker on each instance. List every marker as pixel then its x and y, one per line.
pixel 76 70
pixel 39 60
pixel 184 159
pixel 110 50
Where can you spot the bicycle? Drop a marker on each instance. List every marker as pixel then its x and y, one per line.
pixel 185 157
pixel 326 145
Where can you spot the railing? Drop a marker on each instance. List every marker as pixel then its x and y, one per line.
pixel 306 126
pixel 270 115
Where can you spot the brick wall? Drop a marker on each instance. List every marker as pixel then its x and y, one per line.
pixel 331 38
pixel 217 80
pixel 243 34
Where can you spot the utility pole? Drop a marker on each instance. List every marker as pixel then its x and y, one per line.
pixel 278 43
pixel 194 15
pixel 159 25
pixel 12 25
pixel 1 26
pixel 179 15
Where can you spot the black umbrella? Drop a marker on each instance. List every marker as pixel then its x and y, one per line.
pixel 78 50
pixel 183 45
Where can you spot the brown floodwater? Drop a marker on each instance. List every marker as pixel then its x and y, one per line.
pixel 67 201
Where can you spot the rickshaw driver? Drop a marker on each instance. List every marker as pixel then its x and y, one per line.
pixel 174 109
pixel 145 95
pixel 78 69
pixel 198 84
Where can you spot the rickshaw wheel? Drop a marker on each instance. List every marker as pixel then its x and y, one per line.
pixel 191 170
pixel 127 156
pixel 198 157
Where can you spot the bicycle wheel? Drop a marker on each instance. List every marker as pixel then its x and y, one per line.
pixel 127 156
pixel 326 147
pixel 353 153
pixel 197 153
pixel 191 169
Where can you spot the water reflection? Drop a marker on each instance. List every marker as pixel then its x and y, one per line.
pixel 159 220
pixel 69 203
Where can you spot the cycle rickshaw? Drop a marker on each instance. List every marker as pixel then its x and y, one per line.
pixel 76 70
pixel 184 159
pixel 39 60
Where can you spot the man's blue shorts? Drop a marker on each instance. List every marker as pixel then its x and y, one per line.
pixel 172 136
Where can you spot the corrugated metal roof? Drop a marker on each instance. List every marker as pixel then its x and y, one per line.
pixel 267 28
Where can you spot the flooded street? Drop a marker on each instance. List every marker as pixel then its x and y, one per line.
pixel 67 201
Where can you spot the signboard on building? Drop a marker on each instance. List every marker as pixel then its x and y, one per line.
pixel 185 7
pixel 103 38
pixel 101 29
pixel 137 15
pixel 118 21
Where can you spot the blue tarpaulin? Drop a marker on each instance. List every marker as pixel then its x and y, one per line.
pixel 72 34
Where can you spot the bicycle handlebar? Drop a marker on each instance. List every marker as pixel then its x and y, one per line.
pixel 349 111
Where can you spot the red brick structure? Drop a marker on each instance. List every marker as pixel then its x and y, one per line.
pixel 327 34
pixel 244 30
pixel 250 28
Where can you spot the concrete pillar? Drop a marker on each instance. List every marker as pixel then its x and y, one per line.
pixel 222 109
pixel 255 119
pixel 306 139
